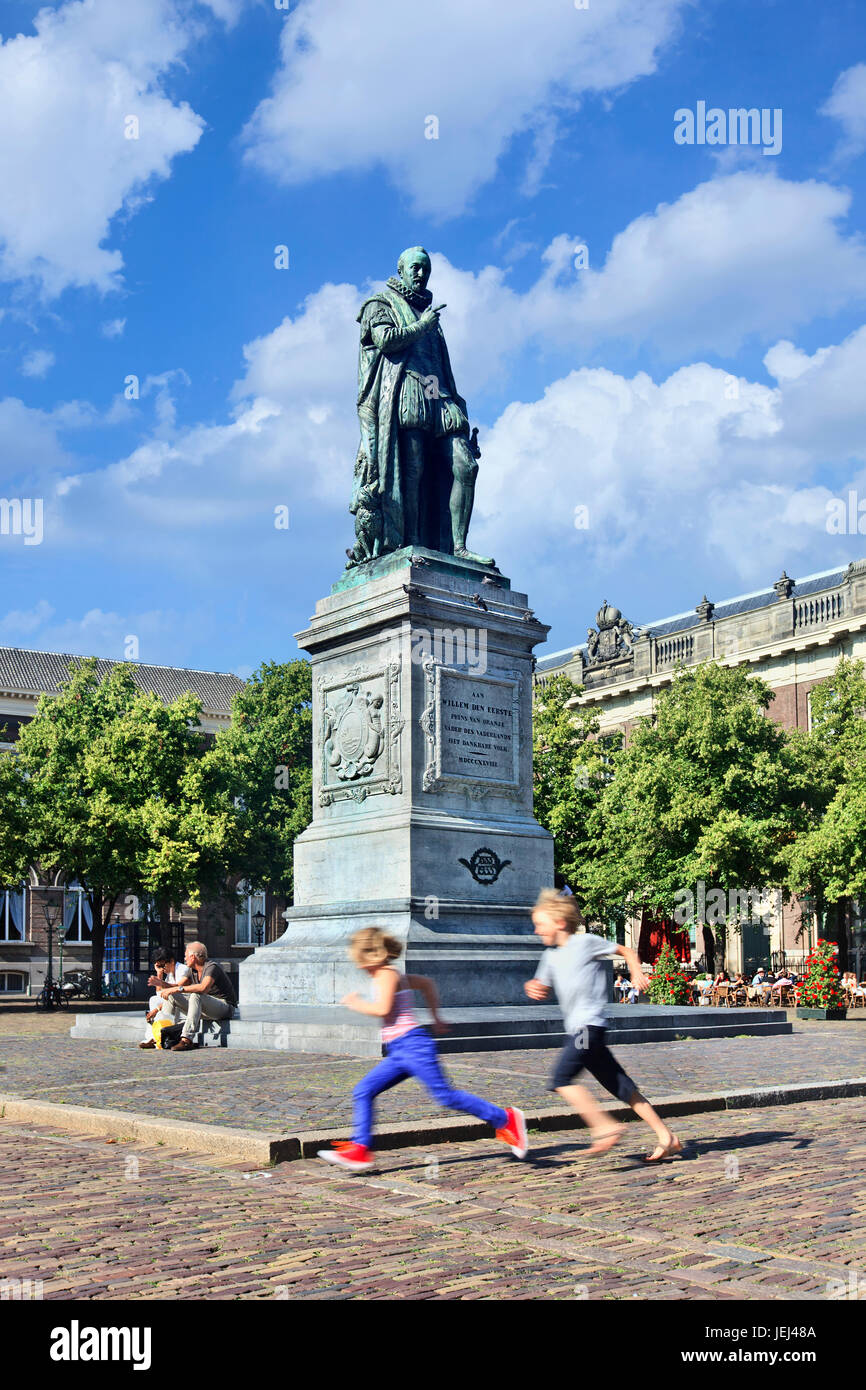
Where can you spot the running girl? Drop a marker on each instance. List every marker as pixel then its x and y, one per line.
pixel 409 1051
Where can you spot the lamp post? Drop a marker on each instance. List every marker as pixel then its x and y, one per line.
pixel 259 927
pixel 51 913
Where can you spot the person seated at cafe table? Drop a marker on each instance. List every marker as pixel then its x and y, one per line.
pixel 782 981
pixel 760 986
pixel 625 989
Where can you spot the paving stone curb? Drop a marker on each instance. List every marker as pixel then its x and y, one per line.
pixel 253 1146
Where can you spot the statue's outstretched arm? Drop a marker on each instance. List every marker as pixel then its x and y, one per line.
pixel 388 339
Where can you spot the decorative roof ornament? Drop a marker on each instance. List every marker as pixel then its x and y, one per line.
pixel 614 639
pixel 705 609
pixel 784 585
pixel 607 616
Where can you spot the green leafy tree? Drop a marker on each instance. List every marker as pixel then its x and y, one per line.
pixel 15 839
pixel 571 767
pixel 706 790
pixel 261 771
pixel 106 788
pixel 828 859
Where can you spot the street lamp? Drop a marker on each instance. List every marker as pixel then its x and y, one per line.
pixel 259 927
pixel 51 913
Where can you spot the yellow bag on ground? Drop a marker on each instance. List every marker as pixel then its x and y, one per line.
pixel 158 1027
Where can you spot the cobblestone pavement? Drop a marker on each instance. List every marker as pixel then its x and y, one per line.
pixel 764 1204
pixel 280 1092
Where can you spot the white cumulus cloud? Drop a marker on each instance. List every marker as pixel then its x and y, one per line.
pixel 72 93
pixel 847 104
pixel 357 84
pixel 37 363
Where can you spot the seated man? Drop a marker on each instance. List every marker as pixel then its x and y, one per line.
pixel 211 996
pixel 166 972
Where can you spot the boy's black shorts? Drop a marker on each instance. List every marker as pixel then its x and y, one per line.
pixel 587 1051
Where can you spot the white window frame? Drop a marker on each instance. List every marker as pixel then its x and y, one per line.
pixel 253 902
pixel 22 975
pixel 6 924
pixel 74 934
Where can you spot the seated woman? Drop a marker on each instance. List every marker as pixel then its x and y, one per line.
pixel 167 971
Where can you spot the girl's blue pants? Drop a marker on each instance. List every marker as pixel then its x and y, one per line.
pixel 415 1055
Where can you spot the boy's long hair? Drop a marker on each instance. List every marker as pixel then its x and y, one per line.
pixel 564 909
pixel 372 946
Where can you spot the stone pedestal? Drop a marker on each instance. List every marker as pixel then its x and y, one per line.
pixel 422 791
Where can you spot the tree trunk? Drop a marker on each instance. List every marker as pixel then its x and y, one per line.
pixel 97 942
pixel 843 915
pixel 709 951
pixel 163 907
pixel 835 929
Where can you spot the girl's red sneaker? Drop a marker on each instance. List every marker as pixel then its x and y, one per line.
pixel 353 1157
pixel 514 1134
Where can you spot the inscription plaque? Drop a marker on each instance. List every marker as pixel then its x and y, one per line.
pixel 477 728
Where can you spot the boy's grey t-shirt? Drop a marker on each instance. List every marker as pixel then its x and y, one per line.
pixel 575 972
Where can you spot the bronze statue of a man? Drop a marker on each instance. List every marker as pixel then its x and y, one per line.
pixel 417 463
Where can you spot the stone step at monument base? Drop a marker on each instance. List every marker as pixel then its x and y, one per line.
pixel 324 1029
pixel 129 1028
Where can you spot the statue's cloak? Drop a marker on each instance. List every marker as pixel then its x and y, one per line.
pixel 380 375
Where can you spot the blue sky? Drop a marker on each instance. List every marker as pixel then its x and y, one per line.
pixel 698 385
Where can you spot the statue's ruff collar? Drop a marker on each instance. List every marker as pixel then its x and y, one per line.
pixel 419 299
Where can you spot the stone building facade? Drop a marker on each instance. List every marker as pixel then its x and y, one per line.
pixel 228 934
pixel 792 634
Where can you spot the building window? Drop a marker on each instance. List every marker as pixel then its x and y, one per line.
pixel 246 933
pixel 12 982
pixel 77 915
pixel 13 921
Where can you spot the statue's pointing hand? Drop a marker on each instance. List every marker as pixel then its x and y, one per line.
pixel 430 317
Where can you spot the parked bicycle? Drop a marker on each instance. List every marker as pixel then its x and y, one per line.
pixel 51 996
pixel 116 985
pixel 78 983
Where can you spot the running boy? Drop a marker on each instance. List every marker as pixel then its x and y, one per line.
pixel 571 964
pixel 409 1051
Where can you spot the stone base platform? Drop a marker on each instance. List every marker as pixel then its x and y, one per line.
pixel 287 1028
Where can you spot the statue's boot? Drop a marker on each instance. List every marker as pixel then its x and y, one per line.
pixel 462 553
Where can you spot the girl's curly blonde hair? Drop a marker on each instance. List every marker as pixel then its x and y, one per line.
pixel 372 946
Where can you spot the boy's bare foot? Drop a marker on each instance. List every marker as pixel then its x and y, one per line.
pixel 604 1141
pixel 673 1146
